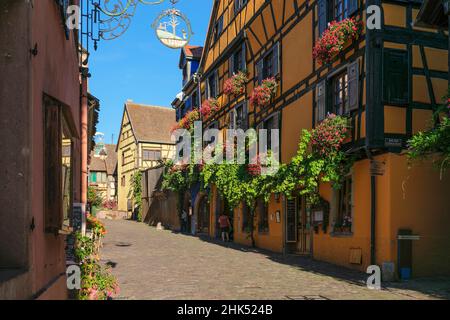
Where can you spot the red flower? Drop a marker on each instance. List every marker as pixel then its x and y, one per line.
pixel 236 84
pixel 334 39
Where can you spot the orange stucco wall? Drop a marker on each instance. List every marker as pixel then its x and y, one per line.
pixel 406 197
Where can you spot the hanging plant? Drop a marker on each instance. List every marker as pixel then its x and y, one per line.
pixel 187 122
pixel 334 38
pixel 262 94
pixel 209 107
pixel 329 135
pixel 236 84
pixel 434 142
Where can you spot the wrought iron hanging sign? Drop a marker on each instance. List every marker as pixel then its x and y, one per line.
pixel 173 28
pixel 109 19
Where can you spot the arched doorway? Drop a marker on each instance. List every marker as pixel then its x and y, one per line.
pixel 202 207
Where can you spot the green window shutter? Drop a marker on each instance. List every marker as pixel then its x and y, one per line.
pixel 352 7
pixel 395 76
pixel 353 85
pixel 322 15
pixel 321 100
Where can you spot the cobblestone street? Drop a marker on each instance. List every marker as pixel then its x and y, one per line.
pixel 152 264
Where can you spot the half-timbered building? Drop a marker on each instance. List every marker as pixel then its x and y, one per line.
pixel 387 82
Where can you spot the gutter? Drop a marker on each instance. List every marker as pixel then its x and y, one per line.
pixel 373 199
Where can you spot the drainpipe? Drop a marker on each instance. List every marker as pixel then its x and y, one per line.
pixel 373 198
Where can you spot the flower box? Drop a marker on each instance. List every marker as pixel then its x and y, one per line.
pixel 263 94
pixel 236 84
pixel 333 40
pixel 209 107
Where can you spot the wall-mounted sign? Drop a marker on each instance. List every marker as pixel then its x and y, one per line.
pixel 393 142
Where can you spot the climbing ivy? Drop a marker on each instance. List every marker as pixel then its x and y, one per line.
pixel 435 141
pixel 136 185
pixel 319 158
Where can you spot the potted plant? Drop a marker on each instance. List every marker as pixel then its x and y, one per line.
pixel 333 39
pixel 262 94
pixel 209 107
pixel 236 84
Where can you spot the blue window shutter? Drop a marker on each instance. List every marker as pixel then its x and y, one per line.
pixel 276 59
pixel 231 66
pixel 259 71
pixel 244 57
pixel 353 85
pixel 216 83
pixel 352 7
pixel 321 100
pixel 322 15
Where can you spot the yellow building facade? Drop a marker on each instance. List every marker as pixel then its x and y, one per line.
pixel 144 141
pixel 392 79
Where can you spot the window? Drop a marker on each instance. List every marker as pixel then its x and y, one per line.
pixel 213 85
pixel 238 117
pixel 238 5
pixel 98 177
pixel 238 61
pixel 151 155
pixel 395 76
pixel 344 204
pixel 263 213
pixel 57 161
pixel 270 123
pixel 344 93
pixel 123 158
pixel 340 94
pixel 122 181
pixel 268 65
pixel 218 28
pixel 340 9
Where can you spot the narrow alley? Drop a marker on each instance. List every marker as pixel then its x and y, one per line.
pixel 153 264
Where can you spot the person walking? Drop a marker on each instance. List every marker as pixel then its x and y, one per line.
pixel 224 224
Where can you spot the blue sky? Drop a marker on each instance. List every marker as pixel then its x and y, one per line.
pixel 137 66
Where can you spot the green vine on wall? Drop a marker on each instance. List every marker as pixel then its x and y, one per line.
pixel 434 142
pixel 319 158
pixel 136 186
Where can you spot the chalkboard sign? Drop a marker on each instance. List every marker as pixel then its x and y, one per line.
pixel 78 217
